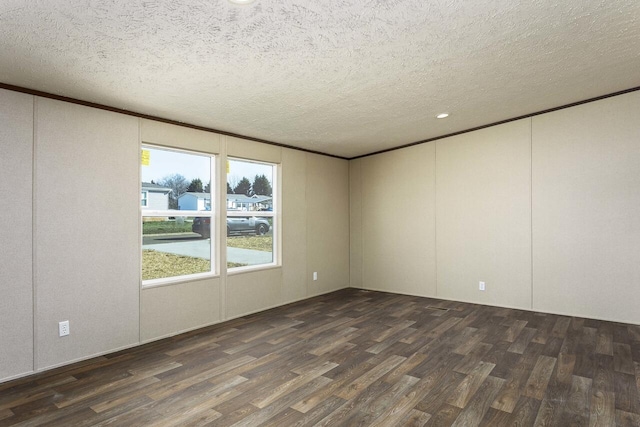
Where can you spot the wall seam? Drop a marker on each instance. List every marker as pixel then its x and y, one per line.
pixel 435 213
pixel 34 273
pixel 140 261
pixel 361 217
pixel 531 199
pixel 221 258
pixel 307 286
pixel 276 229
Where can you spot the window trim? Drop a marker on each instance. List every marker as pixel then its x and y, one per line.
pixel 275 214
pixel 211 213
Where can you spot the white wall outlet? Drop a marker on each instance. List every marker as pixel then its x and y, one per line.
pixel 63 328
pixel 315 275
pixel 481 286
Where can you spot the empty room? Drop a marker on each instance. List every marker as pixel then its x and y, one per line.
pixel 332 213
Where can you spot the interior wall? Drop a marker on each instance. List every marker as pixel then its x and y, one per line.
pixel 398 221
pixel 16 185
pixel 85 234
pixel 327 234
pixel 483 211
pixel 586 209
pixel 543 210
pixel 87 261
pixel 168 310
pixel 315 231
pixel 168 135
pixel 252 291
pixel 294 225
pixel 252 150
pixel 585 190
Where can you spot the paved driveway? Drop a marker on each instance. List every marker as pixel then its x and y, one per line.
pixel 189 244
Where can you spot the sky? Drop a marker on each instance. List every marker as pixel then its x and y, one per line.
pixel 191 166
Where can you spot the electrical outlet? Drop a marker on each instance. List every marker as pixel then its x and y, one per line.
pixel 63 328
pixel 481 286
pixel 315 275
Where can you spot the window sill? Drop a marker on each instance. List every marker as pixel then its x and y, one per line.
pixel 170 281
pixel 252 268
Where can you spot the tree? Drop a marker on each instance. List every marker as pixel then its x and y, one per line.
pixel 262 186
pixel 243 187
pixel 178 185
pixel 195 186
pixel 207 188
pixel 233 181
pixel 229 189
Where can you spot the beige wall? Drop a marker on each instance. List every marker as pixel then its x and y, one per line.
pixel 327 236
pixel 86 163
pixel 586 210
pixel 398 221
pixel 294 225
pixel 252 291
pixel 315 231
pixel 164 134
pixel 16 183
pixel 483 211
pixel 557 195
pixel 168 310
pixel 544 210
pixel 86 241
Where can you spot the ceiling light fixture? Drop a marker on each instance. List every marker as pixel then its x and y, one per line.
pixel 442 116
pixel 241 1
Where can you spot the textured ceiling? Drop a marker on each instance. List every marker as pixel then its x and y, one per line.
pixel 344 77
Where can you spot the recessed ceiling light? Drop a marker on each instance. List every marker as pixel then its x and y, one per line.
pixel 442 116
pixel 241 1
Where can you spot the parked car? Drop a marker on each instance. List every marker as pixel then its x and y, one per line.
pixel 235 225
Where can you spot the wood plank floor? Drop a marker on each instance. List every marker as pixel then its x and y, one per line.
pixel 353 358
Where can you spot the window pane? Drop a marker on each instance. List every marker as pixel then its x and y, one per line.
pixel 250 223
pixel 249 241
pixel 174 244
pixel 170 248
pixel 176 180
pixel 249 186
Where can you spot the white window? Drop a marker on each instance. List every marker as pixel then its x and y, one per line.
pixel 251 214
pixel 144 196
pixel 176 230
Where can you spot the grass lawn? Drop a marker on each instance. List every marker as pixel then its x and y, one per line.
pixel 165 227
pixel 259 243
pixel 158 265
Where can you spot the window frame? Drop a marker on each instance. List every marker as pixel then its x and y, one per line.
pixel 211 213
pixel 275 214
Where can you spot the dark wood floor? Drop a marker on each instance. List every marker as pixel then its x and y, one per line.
pixel 354 358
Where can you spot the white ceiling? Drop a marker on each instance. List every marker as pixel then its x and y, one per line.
pixel 344 77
